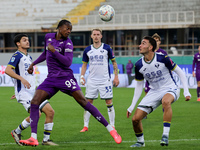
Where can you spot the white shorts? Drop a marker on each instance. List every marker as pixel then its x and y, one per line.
pixel 27 104
pixel 153 99
pixel 93 90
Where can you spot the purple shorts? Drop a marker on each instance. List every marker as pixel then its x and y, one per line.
pixel 147 88
pixel 66 85
pixel 198 75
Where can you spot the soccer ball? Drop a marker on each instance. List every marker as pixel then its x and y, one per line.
pixel 106 12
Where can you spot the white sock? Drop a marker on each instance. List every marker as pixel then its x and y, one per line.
pixel 86 118
pixel 111 114
pixel 34 135
pixel 109 128
pixel 25 124
pixel 47 131
pixel 166 131
pixel 141 138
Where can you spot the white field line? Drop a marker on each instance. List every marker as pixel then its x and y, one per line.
pixel 93 142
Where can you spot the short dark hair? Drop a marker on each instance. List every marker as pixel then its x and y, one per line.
pixel 18 37
pixel 152 41
pixel 62 22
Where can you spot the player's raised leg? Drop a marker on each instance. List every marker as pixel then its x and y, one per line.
pixel 79 97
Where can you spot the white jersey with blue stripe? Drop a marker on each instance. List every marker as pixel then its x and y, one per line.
pixel 21 62
pixel 98 58
pixel 157 72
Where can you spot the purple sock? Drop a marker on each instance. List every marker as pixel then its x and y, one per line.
pixel 198 92
pixel 95 112
pixel 34 117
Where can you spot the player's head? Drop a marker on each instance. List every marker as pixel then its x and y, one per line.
pixel 96 35
pixel 148 44
pixel 64 28
pixel 158 39
pixel 22 41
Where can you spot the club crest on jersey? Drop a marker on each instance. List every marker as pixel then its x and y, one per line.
pixel 157 65
pixel 12 59
pixel 102 51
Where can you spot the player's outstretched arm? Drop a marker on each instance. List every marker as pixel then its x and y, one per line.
pixel 12 74
pixel 184 82
pixel 137 94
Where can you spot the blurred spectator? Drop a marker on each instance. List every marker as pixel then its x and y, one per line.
pixel 129 68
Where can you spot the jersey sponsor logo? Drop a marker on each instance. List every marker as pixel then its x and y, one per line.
pixel 61 43
pixel 102 51
pixel 69 43
pixel 68 50
pixel 58 49
pixel 74 87
pixel 12 59
pixel 49 39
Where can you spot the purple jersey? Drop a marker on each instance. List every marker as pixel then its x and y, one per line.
pixel 161 51
pixel 60 76
pixel 196 62
pixel 59 62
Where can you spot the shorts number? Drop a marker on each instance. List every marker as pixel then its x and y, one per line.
pixel 108 89
pixel 70 82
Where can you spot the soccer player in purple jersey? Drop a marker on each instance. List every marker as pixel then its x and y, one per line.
pixel 58 54
pixel 157 50
pixel 196 73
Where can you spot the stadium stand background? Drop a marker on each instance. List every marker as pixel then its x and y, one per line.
pixel 177 22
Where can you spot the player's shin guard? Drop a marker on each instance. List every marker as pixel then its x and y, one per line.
pixel 111 114
pixel 95 112
pixel 34 117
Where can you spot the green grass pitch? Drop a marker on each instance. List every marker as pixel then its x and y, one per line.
pixel 68 121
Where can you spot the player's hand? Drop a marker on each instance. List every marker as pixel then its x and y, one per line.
pixel 30 69
pixel 193 74
pixel 13 97
pixel 82 80
pixel 116 82
pixel 26 83
pixel 128 114
pixel 51 48
pixel 187 98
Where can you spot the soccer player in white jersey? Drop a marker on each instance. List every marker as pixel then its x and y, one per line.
pixel 156 69
pixel 99 81
pixel 24 84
